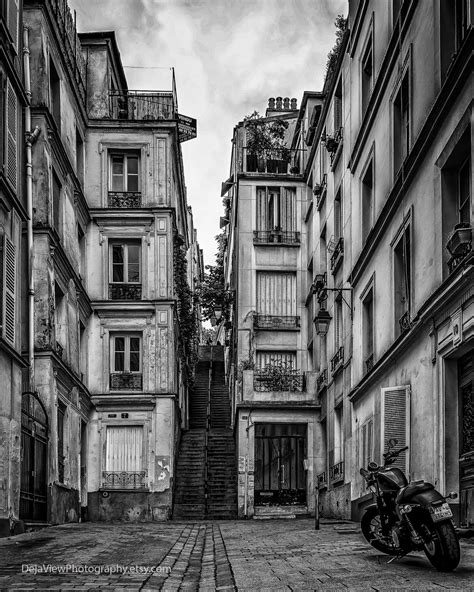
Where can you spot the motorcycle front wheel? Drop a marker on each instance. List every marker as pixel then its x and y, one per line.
pixel 441 545
pixel 371 526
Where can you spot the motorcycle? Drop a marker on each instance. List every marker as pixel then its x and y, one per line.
pixel 408 516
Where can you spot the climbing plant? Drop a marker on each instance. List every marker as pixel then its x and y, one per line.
pixel 333 55
pixel 186 309
pixel 212 292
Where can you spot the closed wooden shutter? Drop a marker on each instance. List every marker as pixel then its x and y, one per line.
pixel 395 414
pixel 11 154
pixel 276 293
pixel 9 290
pixel 124 448
pixel 13 21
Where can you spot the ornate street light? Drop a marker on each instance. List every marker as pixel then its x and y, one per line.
pixel 321 321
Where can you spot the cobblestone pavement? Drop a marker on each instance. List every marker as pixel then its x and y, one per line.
pixel 206 556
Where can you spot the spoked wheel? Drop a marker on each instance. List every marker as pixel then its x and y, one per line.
pixel 371 525
pixel 441 545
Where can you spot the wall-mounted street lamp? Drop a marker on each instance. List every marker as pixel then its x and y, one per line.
pixel 321 290
pixel 321 321
pixel 216 316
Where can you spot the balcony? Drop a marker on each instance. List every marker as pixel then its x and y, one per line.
pixel 124 199
pixel 137 105
pixel 337 256
pixel 276 237
pixel 336 473
pixel 126 381
pixel 337 360
pixel 273 162
pixel 278 323
pixel 124 479
pixel 271 379
pixel 322 380
pixel 322 479
pixel 125 291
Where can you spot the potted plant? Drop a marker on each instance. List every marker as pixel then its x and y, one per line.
pixel 459 242
pixel 265 147
pixel 331 143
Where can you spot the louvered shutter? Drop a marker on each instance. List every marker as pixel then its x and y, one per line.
pixel 13 21
pixel 9 289
pixel 12 134
pixel 395 414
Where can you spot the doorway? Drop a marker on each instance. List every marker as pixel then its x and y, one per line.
pixel 466 439
pixel 280 450
pixel 34 454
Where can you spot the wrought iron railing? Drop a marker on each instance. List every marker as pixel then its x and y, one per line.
pixel 125 291
pixel 322 480
pixel 288 237
pixel 126 381
pixel 369 363
pixel 322 380
pixel 337 255
pixel 319 191
pixel 124 199
pixel 336 472
pixel 124 479
pixel 276 322
pixel 337 360
pixel 404 322
pixel 268 381
pixel 137 105
pixel 275 161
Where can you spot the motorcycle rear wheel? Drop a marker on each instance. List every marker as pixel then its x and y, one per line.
pixel 441 545
pixel 371 526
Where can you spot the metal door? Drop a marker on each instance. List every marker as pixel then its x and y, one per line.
pixel 280 478
pixel 34 451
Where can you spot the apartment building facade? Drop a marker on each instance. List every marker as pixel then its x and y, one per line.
pixel 13 215
pixel 392 217
pixel 98 238
pixel 273 392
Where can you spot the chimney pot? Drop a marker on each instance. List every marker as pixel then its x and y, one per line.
pixel 293 104
pixel 278 103
pixel 286 103
pixel 271 103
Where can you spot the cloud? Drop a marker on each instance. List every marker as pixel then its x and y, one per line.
pixel 229 57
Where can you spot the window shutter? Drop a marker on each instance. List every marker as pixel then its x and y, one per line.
pixel 395 414
pixel 13 21
pixel 9 285
pixel 12 134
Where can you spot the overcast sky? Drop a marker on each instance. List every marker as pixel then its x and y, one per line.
pixel 229 57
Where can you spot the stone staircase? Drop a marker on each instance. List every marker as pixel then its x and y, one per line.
pixel 206 474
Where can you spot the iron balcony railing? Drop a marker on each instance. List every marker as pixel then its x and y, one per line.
pixel 322 380
pixel 124 479
pixel 336 472
pixel 125 199
pixel 337 255
pixel 126 381
pixel 281 323
pixel 322 480
pixel 137 105
pixel 337 360
pixel 277 161
pixel 268 381
pixel 125 291
pixel 281 237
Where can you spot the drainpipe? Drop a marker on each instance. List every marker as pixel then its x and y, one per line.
pixel 30 139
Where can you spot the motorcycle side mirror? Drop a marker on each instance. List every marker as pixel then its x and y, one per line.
pixel 392 442
pixel 364 472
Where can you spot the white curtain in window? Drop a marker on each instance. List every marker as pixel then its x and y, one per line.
pixel 124 448
pixel 276 293
pixel 275 358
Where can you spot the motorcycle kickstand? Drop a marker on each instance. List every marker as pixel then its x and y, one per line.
pixel 399 556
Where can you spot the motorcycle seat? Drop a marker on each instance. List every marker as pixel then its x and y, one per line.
pixel 406 493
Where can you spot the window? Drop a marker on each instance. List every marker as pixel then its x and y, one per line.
pixel 338 106
pixel 395 414
pixel 79 157
pixel 402 281
pixel 456 18
pixel 57 218
pixel 338 214
pixel 368 329
pixel 366 443
pixel 10 11
pixel 126 362
pixel 338 435
pixel 463 20
pixel 124 458
pixel 464 192
pixel 124 169
pixel 10 157
pixel 286 359
pixel 125 271
pixel 401 123
pixel 367 73
pixel 9 271
pixel 276 208
pixel 61 438
pixel 81 241
pixel 61 326
pixel 276 297
pixel 55 94
pixel 367 200
pixel 338 335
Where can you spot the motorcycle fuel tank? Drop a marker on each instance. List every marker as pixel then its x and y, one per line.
pixel 391 479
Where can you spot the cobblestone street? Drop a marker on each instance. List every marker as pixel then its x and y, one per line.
pixel 255 555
